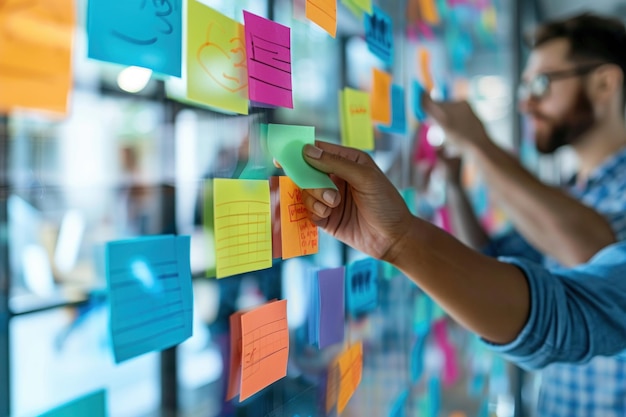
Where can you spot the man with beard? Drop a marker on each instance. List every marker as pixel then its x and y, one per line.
pixel 573 93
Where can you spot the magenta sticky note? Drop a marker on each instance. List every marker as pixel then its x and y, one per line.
pixel 268 48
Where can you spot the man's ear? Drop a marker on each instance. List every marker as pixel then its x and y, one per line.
pixel 606 83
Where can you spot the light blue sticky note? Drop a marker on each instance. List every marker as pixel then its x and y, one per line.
pixel 434 392
pixel 416 92
pixel 150 295
pixel 398 406
pixel 92 405
pixel 379 34
pixel 398 112
pixel 362 286
pixel 137 32
pixel 417 357
pixel 285 143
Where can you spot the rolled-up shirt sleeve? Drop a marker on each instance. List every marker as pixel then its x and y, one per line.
pixel 575 314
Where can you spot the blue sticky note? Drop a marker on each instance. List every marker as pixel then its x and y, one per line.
pixel 92 405
pixel 416 92
pixel 150 294
pixel 137 32
pixel 379 34
pixel 484 408
pixel 416 367
pixel 398 112
pixel 398 407
pixel 362 286
pixel 434 392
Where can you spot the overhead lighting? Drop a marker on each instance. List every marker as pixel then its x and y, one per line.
pixel 133 79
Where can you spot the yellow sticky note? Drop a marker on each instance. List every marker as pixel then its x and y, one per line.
pixel 344 377
pixel 243 236
pixel 298 234
pixel 424 65
pixel 217 72
pixel 35 54
pixel 381 97
pixel 429 12
pixel 324 14
pixel 357 130
pixel 364 5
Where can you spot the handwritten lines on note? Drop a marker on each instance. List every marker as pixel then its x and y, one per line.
pixel 324 13
pixel 379 35
pixel 268 48
pixel 243 237
pixel 151 299
pixel 262 338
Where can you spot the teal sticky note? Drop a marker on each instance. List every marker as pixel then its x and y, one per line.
pixel 434 392
pixel 398 112
pixel 137 32
pixel 150 294
pixel 398 407
pixel 362 286
pixel 260 165
pixel 92 405
pixel 285 143
pixel 408 195
pixel 417 91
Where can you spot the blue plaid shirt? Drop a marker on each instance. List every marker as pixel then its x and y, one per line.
pixel 597 388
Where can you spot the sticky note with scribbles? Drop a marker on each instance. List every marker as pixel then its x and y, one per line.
pixel 242 217
pixel 356 119
pixel 298 234
pixel 268 53
pixel 137 32
pixel 217 71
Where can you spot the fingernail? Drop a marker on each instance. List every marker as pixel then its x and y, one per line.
pixel 313 151
pixel 329 196
pixel 319 208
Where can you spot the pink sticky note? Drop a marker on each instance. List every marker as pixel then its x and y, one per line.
pixel 424 151
pixel 451 366
pixel 442 219
pixel 268 48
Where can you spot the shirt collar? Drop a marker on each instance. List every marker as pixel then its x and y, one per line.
pixel 605 170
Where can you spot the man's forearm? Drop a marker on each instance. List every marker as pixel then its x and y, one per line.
pixel 552 221
pixel 465 224
pixel 488 297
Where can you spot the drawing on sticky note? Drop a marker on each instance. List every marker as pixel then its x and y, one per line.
pixel 356 119
pixel 324 14
pixel 268 47
pixel 379 34
pixel 149 281
pixel 162 11
pixel 242 226
pixel 265 347
pixel 233 75
pixel 299 235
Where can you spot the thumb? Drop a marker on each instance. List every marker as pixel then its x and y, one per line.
pixel 337 160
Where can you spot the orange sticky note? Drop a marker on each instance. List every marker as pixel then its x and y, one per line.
pixel 234 374
pixel 298 234
pixel 324 14
pixel 264 347
pixel 344 377
pixel 35 57
pixel 424 65
pixel 429 12
pixel 381 97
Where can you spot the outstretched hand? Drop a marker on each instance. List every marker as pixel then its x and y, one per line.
pixel 367 211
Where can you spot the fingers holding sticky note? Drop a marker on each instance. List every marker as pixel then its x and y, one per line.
pixel 285 143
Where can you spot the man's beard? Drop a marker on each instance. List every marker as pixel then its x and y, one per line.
pixel 570 129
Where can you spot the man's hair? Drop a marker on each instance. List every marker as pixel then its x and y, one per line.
pixel 591 38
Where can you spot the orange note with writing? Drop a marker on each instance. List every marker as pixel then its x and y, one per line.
pixel 35 57
pixel 324 14
pixel 344 377
pixel 298 234
pixel 381 97
pixel 424 64
pixel 264 347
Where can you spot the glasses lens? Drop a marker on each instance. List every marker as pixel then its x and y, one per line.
pixel 539 86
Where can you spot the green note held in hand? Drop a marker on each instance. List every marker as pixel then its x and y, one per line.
pixel 285 143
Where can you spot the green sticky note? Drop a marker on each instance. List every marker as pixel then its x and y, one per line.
pixel 408 194
pixel 357 116
pixel 357 7
pixel 216 59
pixel 285 143
pixel 93 405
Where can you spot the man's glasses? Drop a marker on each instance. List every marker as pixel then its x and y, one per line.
pixel 539 86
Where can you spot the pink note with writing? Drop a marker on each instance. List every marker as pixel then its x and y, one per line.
pixel 268 48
